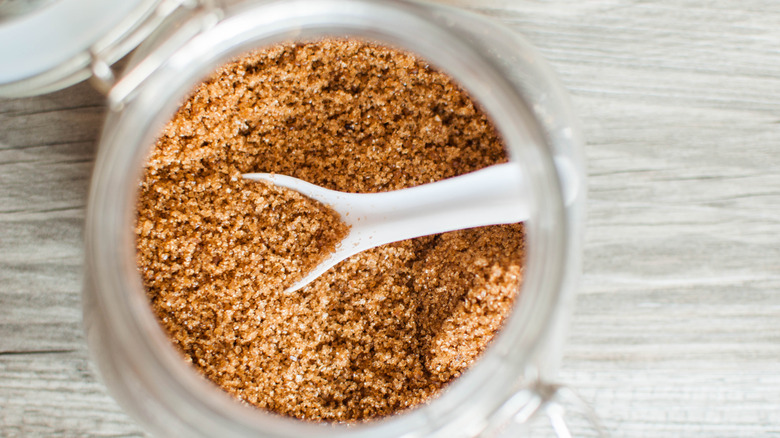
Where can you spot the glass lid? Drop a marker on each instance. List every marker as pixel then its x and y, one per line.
pixel 51 44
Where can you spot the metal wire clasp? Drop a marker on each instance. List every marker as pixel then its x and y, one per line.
pixel 556 402
pixel 119 89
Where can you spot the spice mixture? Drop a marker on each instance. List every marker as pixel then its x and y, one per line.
pixel 384 330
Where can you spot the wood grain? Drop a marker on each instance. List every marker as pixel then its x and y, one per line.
pixel 677 326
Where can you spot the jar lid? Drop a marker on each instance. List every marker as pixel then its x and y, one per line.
pixel 61 42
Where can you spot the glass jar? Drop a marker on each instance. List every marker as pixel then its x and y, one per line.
pixel 497 67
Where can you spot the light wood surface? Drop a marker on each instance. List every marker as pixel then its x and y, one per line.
pixel 677 326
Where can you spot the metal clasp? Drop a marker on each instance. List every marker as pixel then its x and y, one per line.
pixel 557 403
pixel 118 89
pixel 103 77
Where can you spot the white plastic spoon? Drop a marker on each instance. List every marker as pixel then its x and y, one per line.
pixel 493 195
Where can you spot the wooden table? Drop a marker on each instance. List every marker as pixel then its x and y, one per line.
pixel 677 326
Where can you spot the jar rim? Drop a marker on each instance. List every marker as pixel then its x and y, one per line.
pixel 109 239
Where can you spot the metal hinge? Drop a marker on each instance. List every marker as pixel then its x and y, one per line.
pixel 200 15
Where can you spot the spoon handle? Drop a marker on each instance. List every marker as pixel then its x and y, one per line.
pixel 494 195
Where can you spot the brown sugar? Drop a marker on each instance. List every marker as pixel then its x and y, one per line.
pixel 384 330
